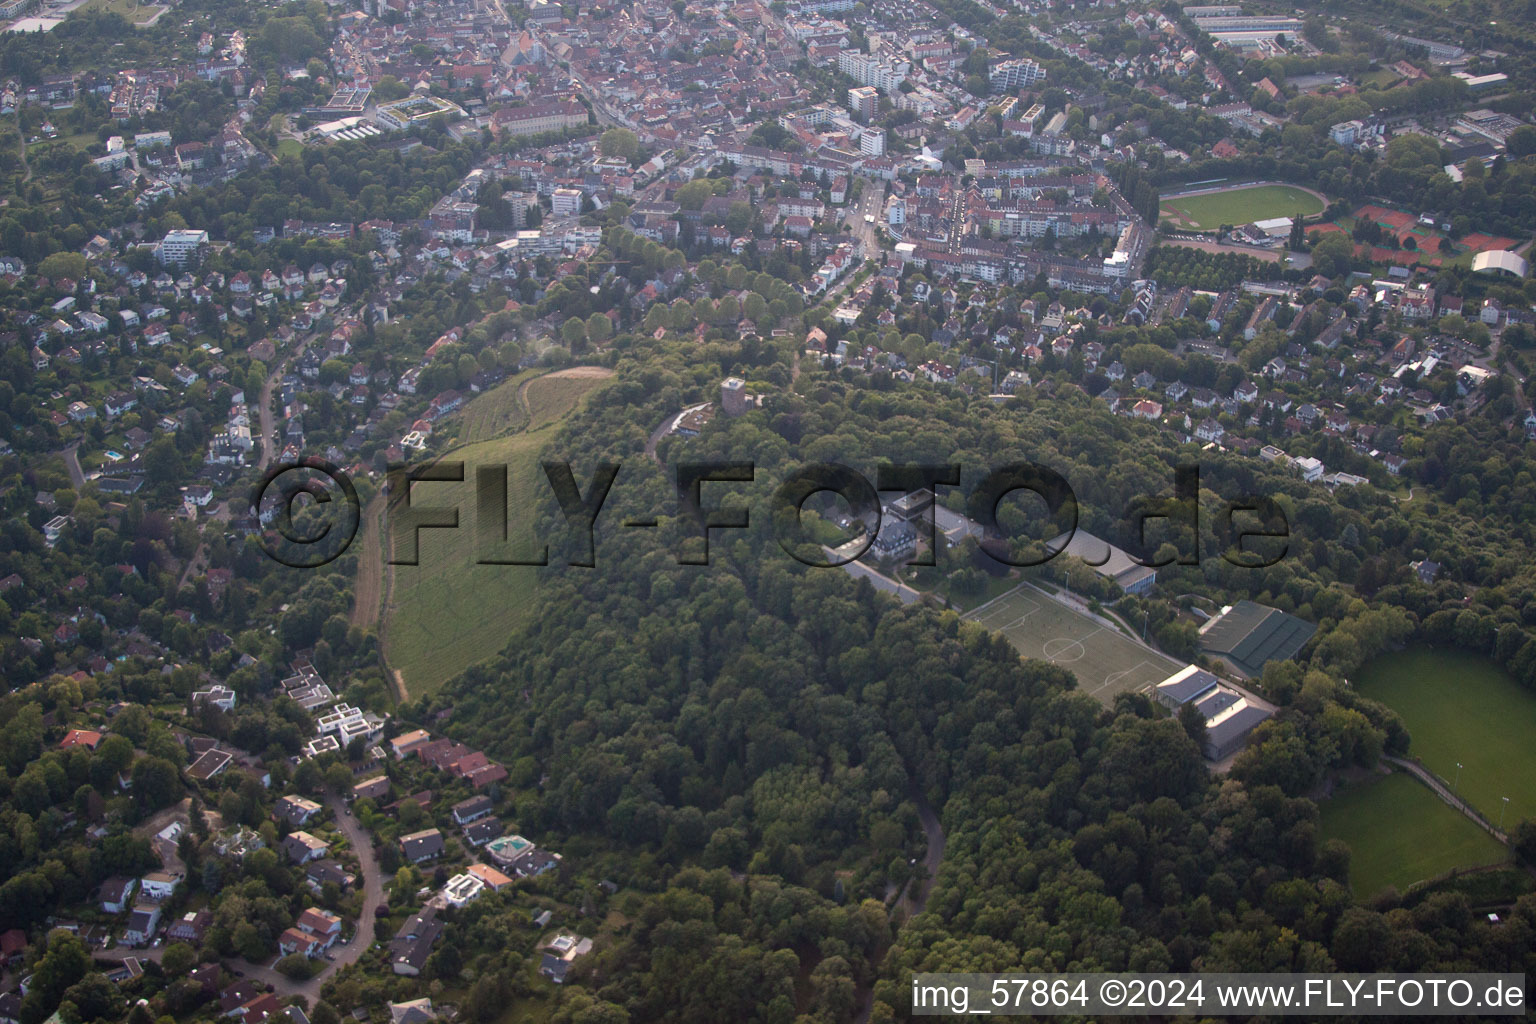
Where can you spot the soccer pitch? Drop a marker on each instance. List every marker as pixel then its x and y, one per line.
pixel 1207 211
pixel 1103 658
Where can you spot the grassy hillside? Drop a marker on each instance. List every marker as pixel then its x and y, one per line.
pixel 551 398
pixel 497 412
pixel 449 612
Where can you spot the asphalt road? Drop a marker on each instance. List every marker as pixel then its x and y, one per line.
pixel 956 221
pixel 871 203
pixel 264 413
pixel 71 457
pixel 362 938
pixel 933 858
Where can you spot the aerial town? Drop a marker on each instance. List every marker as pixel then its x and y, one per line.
pixel 527 698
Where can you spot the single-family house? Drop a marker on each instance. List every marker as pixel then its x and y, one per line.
pixel 420 847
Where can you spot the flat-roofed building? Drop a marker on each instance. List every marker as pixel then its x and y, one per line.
pixel 1249 635
pixel 182 248
pixel 462 889
pixel 1228 713
pixel 1107 560
pixel 1189 683
pixel 1227 732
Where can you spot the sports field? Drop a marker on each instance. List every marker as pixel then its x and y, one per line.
pixel 1105 660
pixel 1400 833
pixel 1460 707
pixel 1240 205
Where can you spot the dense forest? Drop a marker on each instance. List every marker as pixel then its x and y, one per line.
pixel 749 746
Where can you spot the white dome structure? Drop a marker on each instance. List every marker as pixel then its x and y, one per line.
pixel 1500 261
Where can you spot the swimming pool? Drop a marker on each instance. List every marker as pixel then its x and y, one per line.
pixel 113 455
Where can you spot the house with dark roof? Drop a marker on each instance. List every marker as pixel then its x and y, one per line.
pixel 533 862
pixel 443 753
pixel 142 923
pixel 207 978
pixel 483 775
pixel 560 952
pixel 476 807
pixel 191 927
pixel 371 789
pixel 416 1011
pixel 209 764
pixel 115 894
pixel 258 1010
pixel 295 810
pixel 412 944
pixel 482 831
pixel 419 847
pixel 319 872
pixel 302 847
pixel 234 996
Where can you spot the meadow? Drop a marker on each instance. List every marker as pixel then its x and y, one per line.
pixel 449 611
pixel 496 412
pixel 1460 707
pixel 1463 708
pixel 1400 833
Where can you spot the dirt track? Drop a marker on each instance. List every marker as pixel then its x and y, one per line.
pixel 368 591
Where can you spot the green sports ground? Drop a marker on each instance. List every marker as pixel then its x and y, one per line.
pixel 1105 659
pixel 1240 204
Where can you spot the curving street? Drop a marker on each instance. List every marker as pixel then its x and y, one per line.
pixel 362 938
